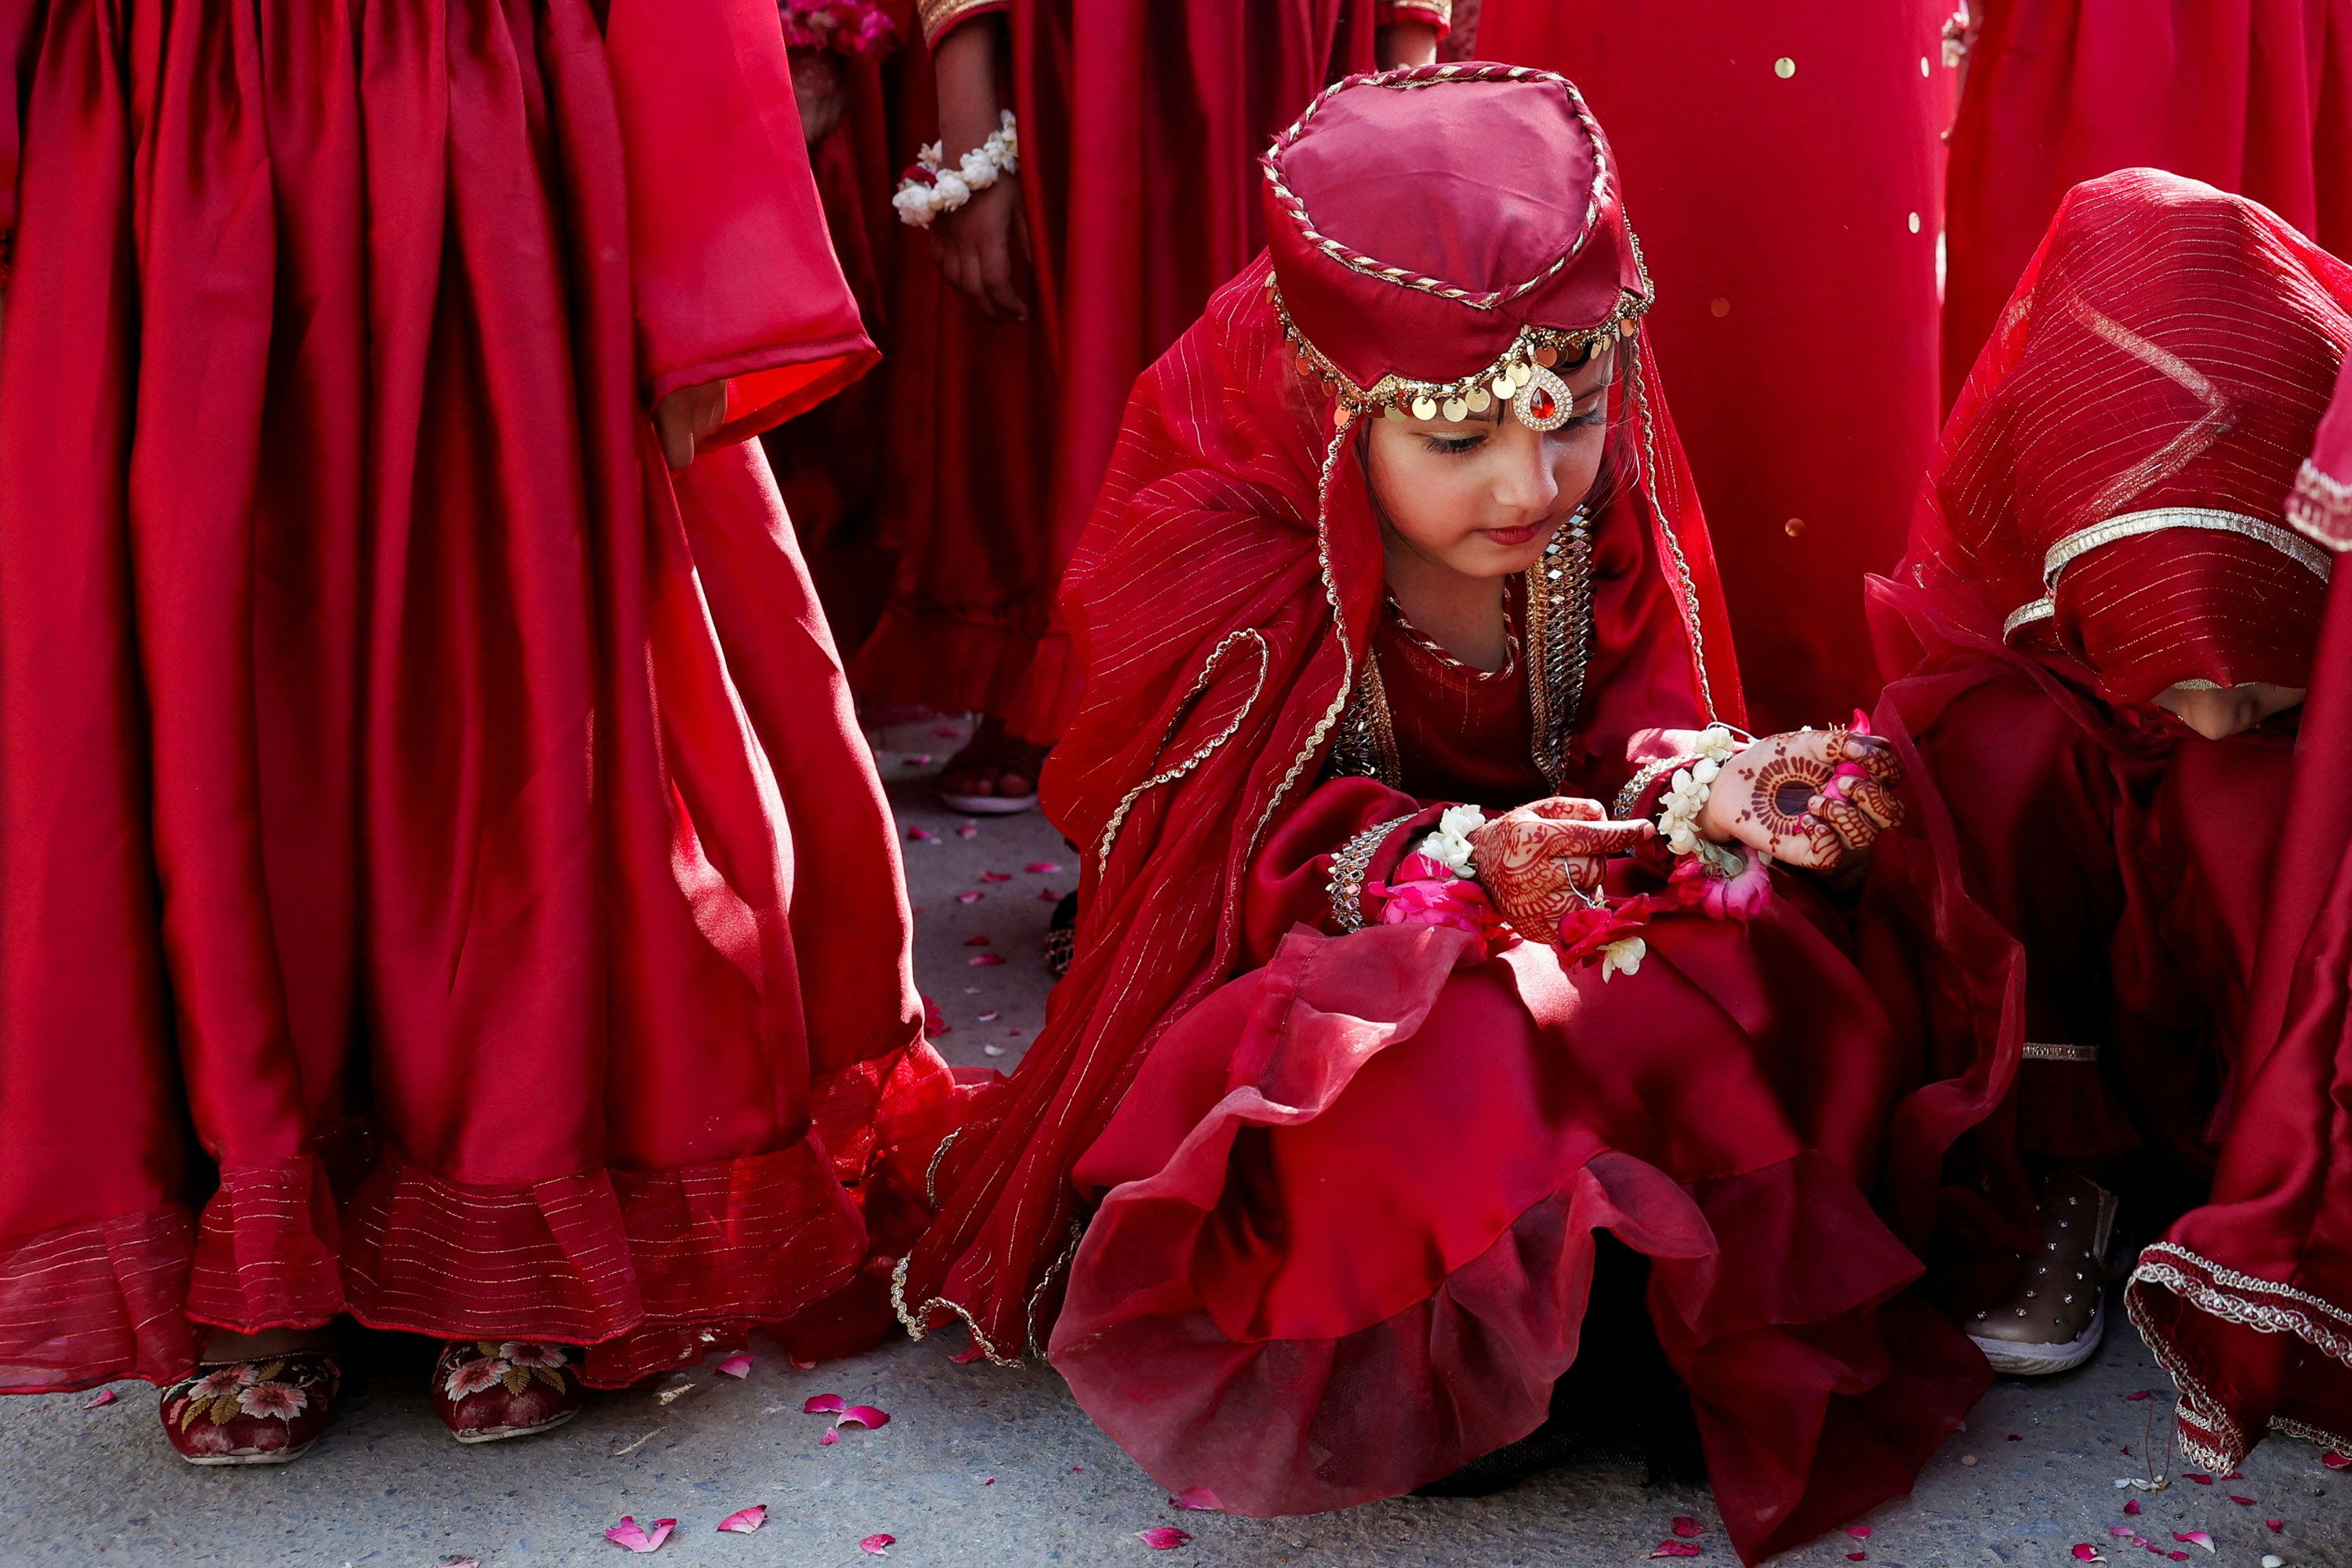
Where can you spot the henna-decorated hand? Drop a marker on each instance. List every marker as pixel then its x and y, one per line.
pixel 1532 860
pixel 1783 796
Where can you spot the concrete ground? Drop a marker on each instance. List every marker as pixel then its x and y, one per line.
pixel 982 1465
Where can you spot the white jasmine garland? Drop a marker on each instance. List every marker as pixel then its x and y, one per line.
pixel 1448 843
pixel 931 187
pixel 1688 791
pixel 1622 956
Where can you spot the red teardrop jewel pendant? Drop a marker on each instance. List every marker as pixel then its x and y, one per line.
pixel 1540 404
pixel 1545 402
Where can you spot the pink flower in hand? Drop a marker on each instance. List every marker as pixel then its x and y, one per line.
pixel 1587 929
pixel 1442 900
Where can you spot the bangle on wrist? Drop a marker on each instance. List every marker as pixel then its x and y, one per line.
pixel 930 187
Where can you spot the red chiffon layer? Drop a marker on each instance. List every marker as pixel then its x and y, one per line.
pixel 443 834
pixel 1779 214
pixel 1348 1233
pixel 2253 96
pixel 1141 125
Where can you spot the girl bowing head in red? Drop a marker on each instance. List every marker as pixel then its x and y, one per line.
pixel 1380 1017
pixel 2097 648
pixel 445 882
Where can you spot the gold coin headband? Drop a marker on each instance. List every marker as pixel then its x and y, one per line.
pixel 1522 376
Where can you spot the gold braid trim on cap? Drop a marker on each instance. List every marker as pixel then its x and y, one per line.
pixel 2139 524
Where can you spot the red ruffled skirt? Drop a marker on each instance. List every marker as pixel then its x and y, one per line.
pixel 1349 1232
pixel 444 882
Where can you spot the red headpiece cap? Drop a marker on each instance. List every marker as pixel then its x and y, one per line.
pixel 1421 250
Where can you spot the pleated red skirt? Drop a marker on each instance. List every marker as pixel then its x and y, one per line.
pixel 443 883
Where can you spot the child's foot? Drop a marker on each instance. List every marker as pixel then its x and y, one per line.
pixel 262 1412
pixel 486 1390
pixel 995 775
pixel 2053 1317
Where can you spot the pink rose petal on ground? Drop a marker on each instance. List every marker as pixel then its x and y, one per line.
pixel 1047 896
pixel 966 1357
pixel 636 1537
pixel 1199 1500
pixel 829 1439
pixel 101 1399
pixel 1686 1525
pixel 2194 1538
pixel 803 1365
pixel 2087 1552
pixel 972 896
pixel 922 836
pixel 877 1545
pixel 2335 1461
pixel 2276 1525
pixel 2200 1480
pixel 1859 1532
pixel 979 940
pixel 990 1482
pixel 2177 1556
pixel 1676 1549
pixel 968 830
pixel 1043 867
pixel 1162 1537
pixel 744 1520
pixel 2140 1394
pixel 863 1415
pixel 919 760
pixel 934 1021
pixel 2241 1502
pixel 2235 1476
pixel 988 1017
pixel 987 960
pixel 825 1404
pixel 996 876
pixel 1857 1556
pixel 2131 1505
pixel 737 1365
pixel 2123 1530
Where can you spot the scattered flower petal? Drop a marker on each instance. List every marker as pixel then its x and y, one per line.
pixel 2336 1461
pixel 2131 1505
pixel 967 1356
pixel 2140 1394
pixel 1199 1500
pixel 744 1520
pixel 934 1021
pixel 1048 896
pixel 863 1415
pixel 2241 1502
pixel 829 1439
pixel 1684 1525
pixel 2272 1559
pixel 1857 1556
pixel 1162 1537
pixel 2123 1530
pixel 2087 1552
pixel 1859 1532
pixel 2194 1538
pixel 2201 1480
pixel 1676 1549
pixel 988 1017
pixel 737 1365
pixel 922 836
pixel 996 876
pixel 2177 1556
pixel 919 760
pixel 636 1537
pixel 968 830
pixel 992 1050
pixel 987 960
pixel 990 1482
pixel 1043 868
pixel 803 1365
pixel 2276 1525
pixel 101 1399
pixel 979 940
pixel 971 896
pixel 876 1545
pixel 825 1404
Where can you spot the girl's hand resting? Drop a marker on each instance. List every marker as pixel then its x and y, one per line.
pixel 1784 795
pixel 1531 862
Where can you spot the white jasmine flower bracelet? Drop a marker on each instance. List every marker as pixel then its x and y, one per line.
pixel 930 188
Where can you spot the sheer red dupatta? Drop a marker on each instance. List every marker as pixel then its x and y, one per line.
pixel 1222 596
pixel 2247 1301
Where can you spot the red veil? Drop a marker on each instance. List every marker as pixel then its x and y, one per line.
pixel 1223 597
pixel 2247 1301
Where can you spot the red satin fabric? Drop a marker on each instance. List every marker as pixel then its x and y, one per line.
pixel 442 832
pixel 2248 1300
pixel 2253 96
pixel 2080 869
pixel 1141 123
pixel 1347 1238
pixel 1776 219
